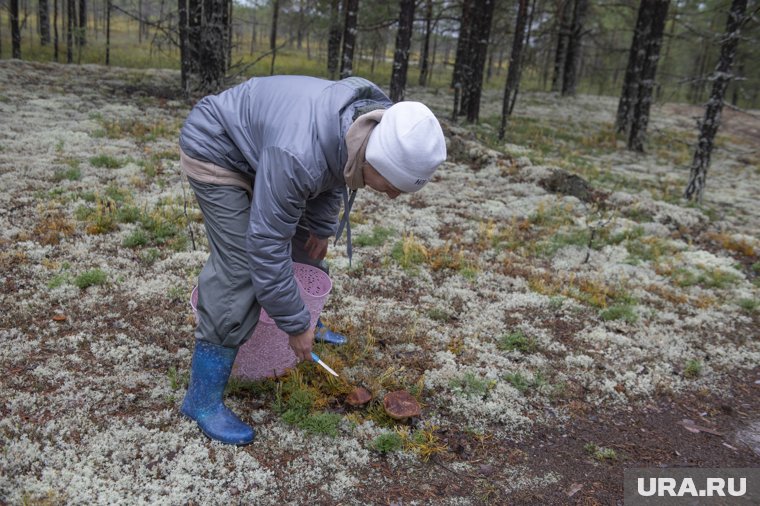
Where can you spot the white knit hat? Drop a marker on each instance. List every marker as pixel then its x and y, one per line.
pixel 407 146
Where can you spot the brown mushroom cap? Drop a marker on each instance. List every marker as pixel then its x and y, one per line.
pixel 359 397
pixel 400 405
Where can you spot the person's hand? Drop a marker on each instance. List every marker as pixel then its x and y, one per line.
pixel 301 345
pixel 315 247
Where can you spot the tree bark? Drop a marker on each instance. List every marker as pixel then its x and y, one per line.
pixel 349 38
pixel 461 62
pixel 44 22
pixel 55 30
pixel 82 31
pixel 401 55
pixel 334 38
pixel 565 13
pixel 711 120
pixel 273 33
pixel 515 61
pixel 15 30
pixel 479 38
pixel 424 62
pixel 571 73
pixel 70 18
pixel 652 47
pixel 184 56
pixel 213 48
pixel 633 70
pixel 108 32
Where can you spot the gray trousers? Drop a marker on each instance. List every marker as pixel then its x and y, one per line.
pixel 227 308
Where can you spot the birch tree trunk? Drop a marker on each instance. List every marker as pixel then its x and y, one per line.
pixel 711 120
pixel 401 55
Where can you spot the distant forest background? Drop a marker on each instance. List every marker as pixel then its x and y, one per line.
pixel 645 51
pixel 144 33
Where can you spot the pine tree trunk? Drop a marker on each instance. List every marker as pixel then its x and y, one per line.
pixel 424 62
pixel 461 63
pixel 571 74
pixel 273 34
pixel 55 30
pixel 334 38
pixel 479 38
pixel 15 30
pixel 184 56
pixel 82 32
pixel 44 22
pixel 108 32
pixel 401 55
pixel 722 77
pixel 565 12
pixel 633 70
pixel 515 60
pixel 652 46
pixel 70 17
pixel 349 38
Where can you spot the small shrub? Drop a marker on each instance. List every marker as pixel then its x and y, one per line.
pixel 600 453
pixel 71 174
pixel 438 314
pixel 105 162
pixel 378 237
pixel 408 252
pixel 623 312
pixel 471 385
pixel 136 239
pixel 387 442
pixel 177 380
pixel 749 305
pixel 518 381
pixel 90 278
pixel 59 280
pixel 517 341
pixel 693 369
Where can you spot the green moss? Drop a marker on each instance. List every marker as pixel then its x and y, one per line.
pixel 749 305
pixel 600 453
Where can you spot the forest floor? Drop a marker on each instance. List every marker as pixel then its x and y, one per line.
pixel 556 330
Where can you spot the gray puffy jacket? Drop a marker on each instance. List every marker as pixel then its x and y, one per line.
pixel 288 133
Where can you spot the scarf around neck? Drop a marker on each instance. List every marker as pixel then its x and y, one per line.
pixel 357 138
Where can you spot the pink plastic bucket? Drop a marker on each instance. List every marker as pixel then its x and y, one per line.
pixel 267 353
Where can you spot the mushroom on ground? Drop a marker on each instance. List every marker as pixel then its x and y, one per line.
pixel 359 397
pixel 400 405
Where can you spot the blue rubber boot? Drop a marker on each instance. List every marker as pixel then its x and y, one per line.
pixel 325 335
pixel 211 369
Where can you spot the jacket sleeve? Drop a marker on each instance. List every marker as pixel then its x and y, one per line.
pixel 280 191
pixel 322 213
